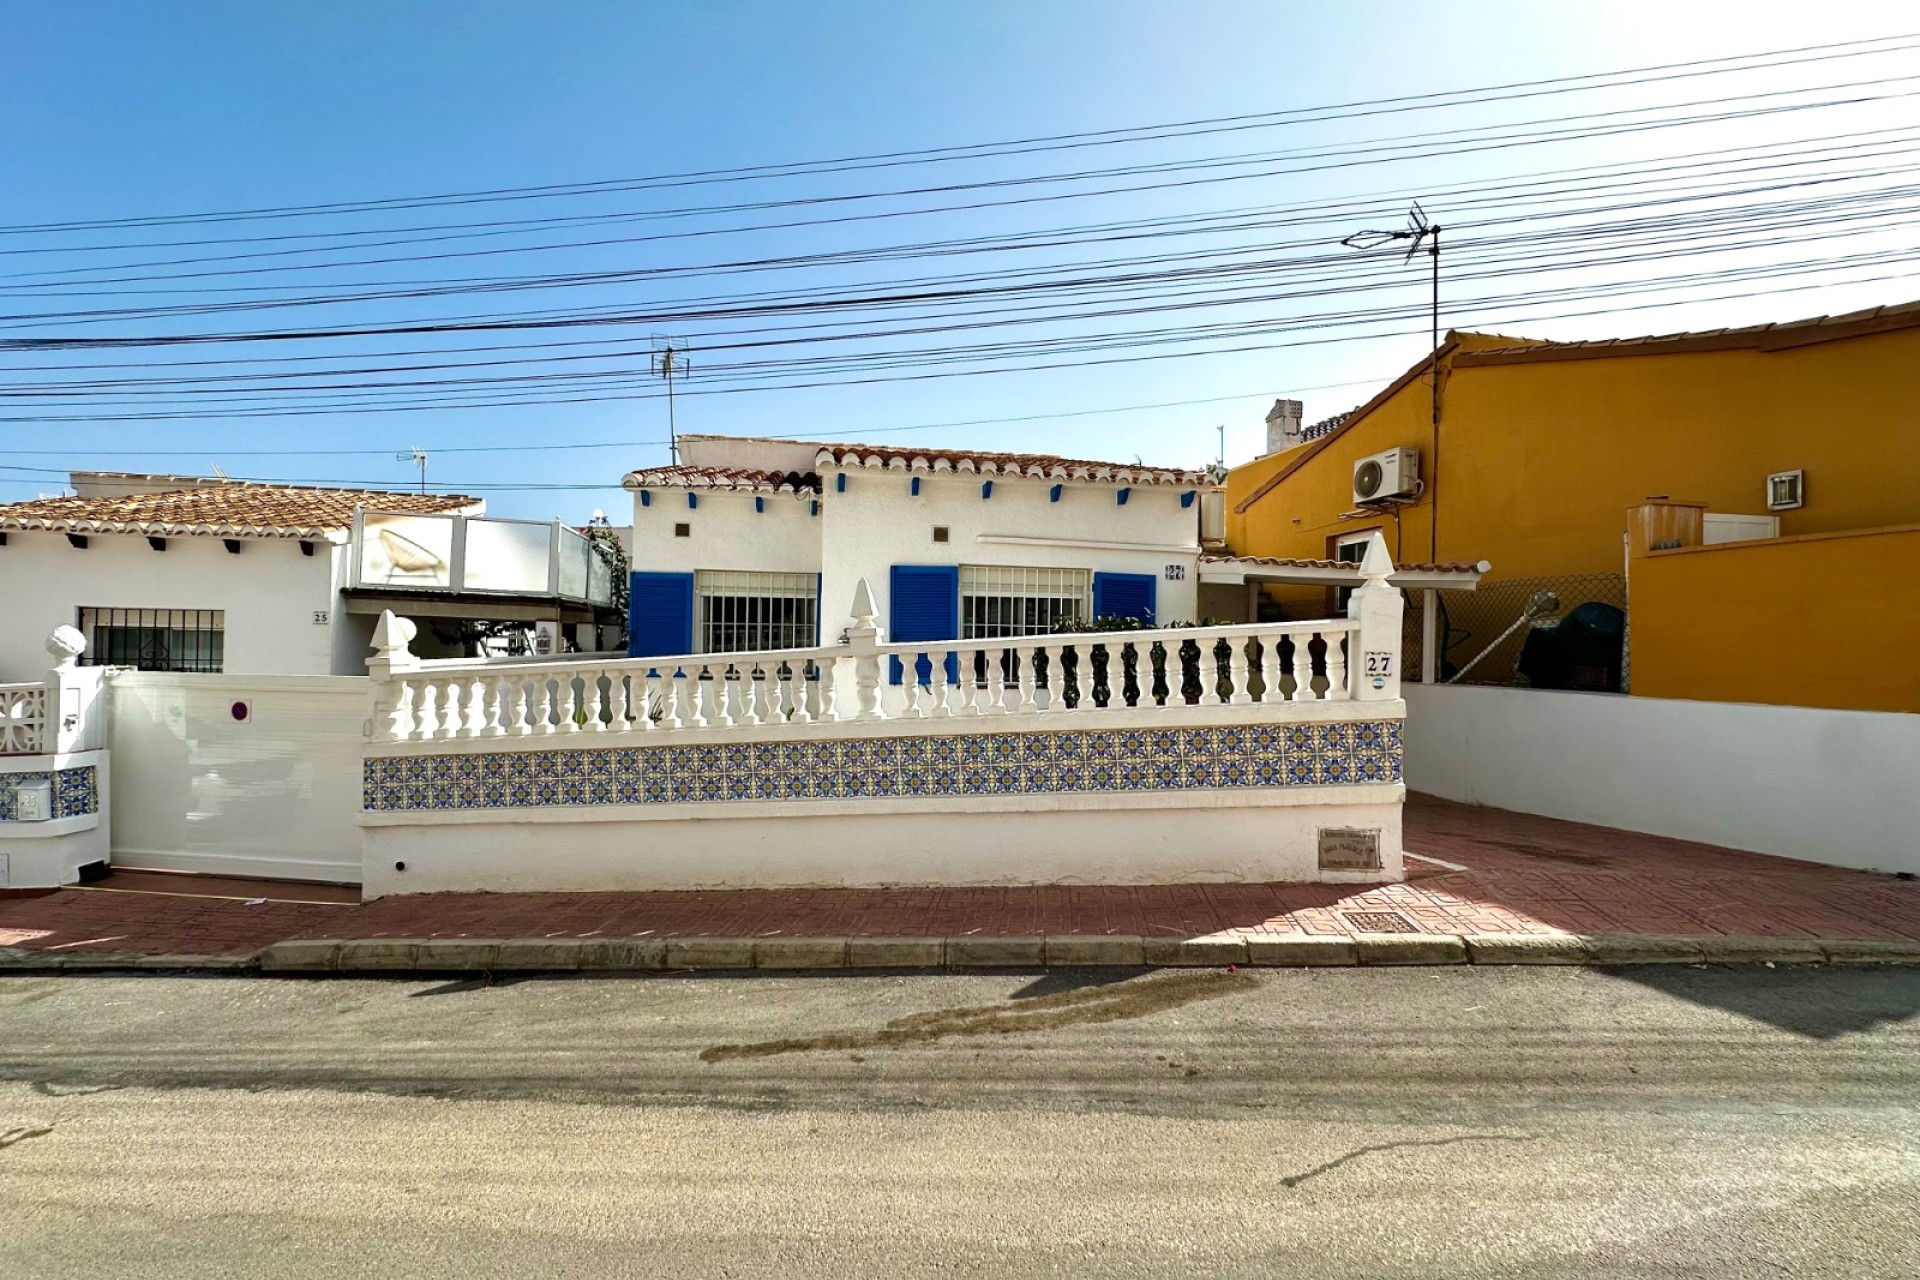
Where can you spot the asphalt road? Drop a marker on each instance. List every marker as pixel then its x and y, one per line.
pixel 1440 1122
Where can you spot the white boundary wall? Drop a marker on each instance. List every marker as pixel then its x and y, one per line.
pixel 1840 787
pixel 1108 838
pixel 276 794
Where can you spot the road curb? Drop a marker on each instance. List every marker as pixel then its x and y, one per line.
pixel 974 951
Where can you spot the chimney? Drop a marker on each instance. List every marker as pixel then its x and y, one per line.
pixel 1283 425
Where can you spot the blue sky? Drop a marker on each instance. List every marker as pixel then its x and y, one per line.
pixel 128 111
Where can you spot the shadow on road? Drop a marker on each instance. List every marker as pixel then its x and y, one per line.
pixel 1803 999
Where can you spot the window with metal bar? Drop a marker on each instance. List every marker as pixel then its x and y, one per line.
pixel 998 601
pixel 739 611
pixel 155 639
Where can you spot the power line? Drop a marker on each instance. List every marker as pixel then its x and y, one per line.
pixel 1390 105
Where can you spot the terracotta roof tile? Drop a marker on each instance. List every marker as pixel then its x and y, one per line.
pixel 744 479
pixel 1783 332
pixel 1037 466
pixel 1282 562
pixel 234 509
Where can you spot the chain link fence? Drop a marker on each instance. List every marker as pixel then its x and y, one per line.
pixel 1472 620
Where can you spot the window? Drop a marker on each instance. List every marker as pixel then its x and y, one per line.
pixel 998 601
pixel 1786 490
pixel 155 639
pixel 739 612
pixel 1349 550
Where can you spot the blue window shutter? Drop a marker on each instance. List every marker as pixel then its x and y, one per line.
pixel 1124 595
pixel 660 615
pixel 923 603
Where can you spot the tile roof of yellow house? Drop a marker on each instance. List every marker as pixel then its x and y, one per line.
pixel 1529 455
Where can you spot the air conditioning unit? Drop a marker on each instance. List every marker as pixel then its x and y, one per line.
pixel 1382 476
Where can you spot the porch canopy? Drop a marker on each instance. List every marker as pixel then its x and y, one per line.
pixel 1254 572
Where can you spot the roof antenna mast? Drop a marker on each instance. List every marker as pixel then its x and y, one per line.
pixel 418 457
pixel 1419 230
pixel 670 362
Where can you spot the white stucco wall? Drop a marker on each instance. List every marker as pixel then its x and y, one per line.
pixel 1829 786
pixel 269 593
pixel 1108 838
pixel 725 532
pixel 878 523
pixel 276 794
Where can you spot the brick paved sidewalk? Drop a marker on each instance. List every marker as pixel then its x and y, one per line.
pixel 1480 871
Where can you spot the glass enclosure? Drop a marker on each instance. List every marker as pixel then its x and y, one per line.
pixel 475 553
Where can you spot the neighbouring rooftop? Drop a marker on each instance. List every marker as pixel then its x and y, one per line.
pixel 727 467
pixel 185 505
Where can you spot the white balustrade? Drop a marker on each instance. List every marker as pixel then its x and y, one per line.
pixel 1273 665
pixel 23 718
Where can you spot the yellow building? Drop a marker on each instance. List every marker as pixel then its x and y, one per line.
pixel 1782 462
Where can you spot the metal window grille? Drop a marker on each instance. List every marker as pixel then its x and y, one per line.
pixel 998 601
pixel 741 612
pixel 155 639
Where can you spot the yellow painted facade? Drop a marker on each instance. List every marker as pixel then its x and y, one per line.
pixel 1541 449
pixel 1712 622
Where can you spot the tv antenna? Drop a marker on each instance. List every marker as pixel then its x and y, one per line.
pixel 418 457
pixel 669 362
pixel 1420 230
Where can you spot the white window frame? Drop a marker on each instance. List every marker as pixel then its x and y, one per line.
pixel 1003 601
pixel 747 611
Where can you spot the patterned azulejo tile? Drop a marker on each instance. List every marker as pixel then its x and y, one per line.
pixel 988 763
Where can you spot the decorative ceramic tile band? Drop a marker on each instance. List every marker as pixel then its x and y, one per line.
pixel 984 764
pixel 76 792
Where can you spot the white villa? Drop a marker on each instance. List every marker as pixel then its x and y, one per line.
pixel 736 547
pixel 204 574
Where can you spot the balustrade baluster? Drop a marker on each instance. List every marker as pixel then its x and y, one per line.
pixel 493 698
pixel 618 701
pixel 1026 696
pixel 939 688
pixel 1270 669
pixel 1241 670
pixel 427 718
pixel 1337 689
pixel 668 685
pixel 566 704
pixel 399 726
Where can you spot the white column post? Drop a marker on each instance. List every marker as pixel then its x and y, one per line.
pixel 64 725
pixel 1430 636
pixel 391 720
pixel 863 643
pixel 1373 672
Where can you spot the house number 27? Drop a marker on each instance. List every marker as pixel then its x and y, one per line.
pixel 1379 666
pixel 1176 572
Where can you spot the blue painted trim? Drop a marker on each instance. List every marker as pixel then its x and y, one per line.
pixel 1125 595
pixel 659 614
pixel 1186 499
pixel 815 505
pixel 1053 494
pixel 840 483
pixel 759 504
pixel 646 499
pixel 923 606
pixel 915 489
pixel 1120 498
pixel 693 500
pixel 986 490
